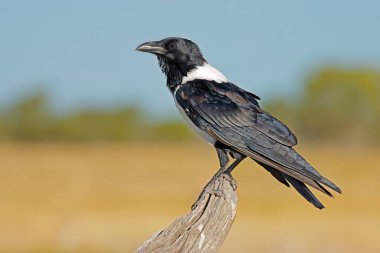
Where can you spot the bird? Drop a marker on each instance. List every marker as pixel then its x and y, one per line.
pixel 231 119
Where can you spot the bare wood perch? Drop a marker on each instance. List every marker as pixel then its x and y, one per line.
pixel 203 229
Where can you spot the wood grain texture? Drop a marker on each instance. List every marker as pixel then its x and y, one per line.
pixel 203 229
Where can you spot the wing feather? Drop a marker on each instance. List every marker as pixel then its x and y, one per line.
pixel 231 118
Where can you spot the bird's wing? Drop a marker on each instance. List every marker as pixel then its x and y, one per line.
pixel 255 116
pixel 231 119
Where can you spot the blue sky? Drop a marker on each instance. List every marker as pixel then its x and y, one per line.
pixel 82 52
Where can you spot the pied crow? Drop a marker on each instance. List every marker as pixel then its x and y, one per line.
pixel 230 118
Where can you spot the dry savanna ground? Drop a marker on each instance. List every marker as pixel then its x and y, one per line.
pixel 111 197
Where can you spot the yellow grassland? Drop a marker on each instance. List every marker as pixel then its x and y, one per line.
pixel 57 197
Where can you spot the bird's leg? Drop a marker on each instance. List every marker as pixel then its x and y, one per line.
pixel 223 160
pixel 223 157
pixel 238 159
pixel 224 172
pixel 227 173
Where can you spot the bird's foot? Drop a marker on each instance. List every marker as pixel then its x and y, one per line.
pixel 207 192
pixel 209 188
pixel 230 179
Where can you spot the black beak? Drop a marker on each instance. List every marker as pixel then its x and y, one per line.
pixel 154 47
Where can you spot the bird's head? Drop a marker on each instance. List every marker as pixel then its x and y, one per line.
pixel 176 56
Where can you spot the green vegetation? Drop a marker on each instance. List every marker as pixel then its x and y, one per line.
pixel 335 104
pixel 31 120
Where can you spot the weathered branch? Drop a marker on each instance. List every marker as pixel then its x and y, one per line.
pixel 203 229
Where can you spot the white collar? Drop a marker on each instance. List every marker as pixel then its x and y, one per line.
pixel 205 72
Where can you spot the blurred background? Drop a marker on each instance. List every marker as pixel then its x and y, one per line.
pixel 94 157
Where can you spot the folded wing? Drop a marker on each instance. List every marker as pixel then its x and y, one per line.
pixel 232 117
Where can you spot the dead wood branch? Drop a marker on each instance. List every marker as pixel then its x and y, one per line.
pixel 203 229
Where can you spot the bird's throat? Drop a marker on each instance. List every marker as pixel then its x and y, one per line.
pixel 172 72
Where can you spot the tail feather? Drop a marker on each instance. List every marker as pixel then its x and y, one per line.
pixel 297 184
pixel 304 191
pixel 275 173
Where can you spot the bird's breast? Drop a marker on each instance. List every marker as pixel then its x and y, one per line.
pixel 190 123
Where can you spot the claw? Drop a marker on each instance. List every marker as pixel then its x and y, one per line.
pixel 230 179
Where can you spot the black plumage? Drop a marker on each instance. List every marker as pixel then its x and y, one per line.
pixel 231 119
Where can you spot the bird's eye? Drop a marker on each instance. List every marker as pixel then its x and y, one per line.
pixel 172 45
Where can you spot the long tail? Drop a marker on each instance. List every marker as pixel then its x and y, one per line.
pixel 298 185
